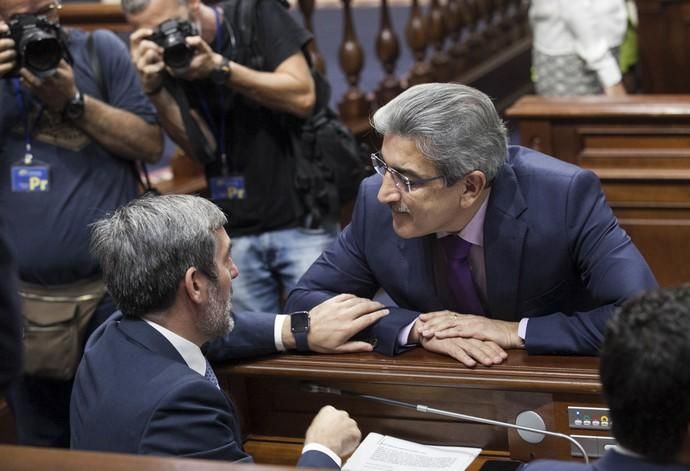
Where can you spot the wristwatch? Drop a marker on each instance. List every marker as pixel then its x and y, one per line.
pixel 299 326
pixel 220 74
pixel 74 109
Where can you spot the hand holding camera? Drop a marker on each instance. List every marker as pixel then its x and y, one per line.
pixel 174 44
pixel 39 45
pixel 8 54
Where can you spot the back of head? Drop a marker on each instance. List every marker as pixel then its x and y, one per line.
pixel 645 372
pixel 145 247
pixel 453 125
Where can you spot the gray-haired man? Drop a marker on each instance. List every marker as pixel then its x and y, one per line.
pixel 167 264
pixel 481 246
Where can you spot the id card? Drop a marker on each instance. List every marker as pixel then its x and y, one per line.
pixel 34 178
pixel 227 188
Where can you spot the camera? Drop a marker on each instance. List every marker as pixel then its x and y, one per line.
pixel 39 43
pixel 170 35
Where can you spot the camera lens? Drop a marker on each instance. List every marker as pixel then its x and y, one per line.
pixel 41 54
pixel 178 56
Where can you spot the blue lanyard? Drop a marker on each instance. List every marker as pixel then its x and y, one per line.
pixel 218 131
pixel 28 130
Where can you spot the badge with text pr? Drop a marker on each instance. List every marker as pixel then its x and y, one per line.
pixel 227 188
pixel 35 178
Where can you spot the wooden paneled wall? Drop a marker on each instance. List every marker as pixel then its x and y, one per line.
pixel 639 146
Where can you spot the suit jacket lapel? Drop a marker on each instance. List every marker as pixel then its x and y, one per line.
pixel 422 290
pixel 504 237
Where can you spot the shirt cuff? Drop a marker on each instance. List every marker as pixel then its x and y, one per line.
pixel 325 450
pixel 405 334
pixel 522 328
pixel 278 331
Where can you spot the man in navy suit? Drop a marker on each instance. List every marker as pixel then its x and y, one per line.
pixel 144 385
pixel 481 247
pixel 646 380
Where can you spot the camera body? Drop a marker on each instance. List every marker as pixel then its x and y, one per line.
pixel 170 35
pixel 39 44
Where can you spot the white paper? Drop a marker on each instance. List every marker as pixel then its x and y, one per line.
pixel 383 453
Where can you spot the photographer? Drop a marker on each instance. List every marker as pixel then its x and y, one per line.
pixel 69 137
pixel 240 130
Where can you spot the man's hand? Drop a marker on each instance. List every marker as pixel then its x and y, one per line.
pixel 334 322
pixel 335 430
pixel 54 91
pixel 204 60
pixel 448 324
pixel 467 351
pixel 147 57
pixel 8 54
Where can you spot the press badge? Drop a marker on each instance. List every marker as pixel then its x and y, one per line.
pixel 30 178
pixel 227 188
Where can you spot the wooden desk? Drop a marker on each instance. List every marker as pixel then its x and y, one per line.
pixel 639 146
pixel 276 411
pixel 20 458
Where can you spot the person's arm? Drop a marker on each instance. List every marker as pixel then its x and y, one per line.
pixel 610 265
pixel 343 268
pixel 193 420
pixel 288 88
pixel 591 46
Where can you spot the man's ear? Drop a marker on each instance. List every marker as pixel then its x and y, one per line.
pixel 195 285
pixel 471 188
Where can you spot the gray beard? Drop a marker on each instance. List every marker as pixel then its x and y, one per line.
pixel 218 321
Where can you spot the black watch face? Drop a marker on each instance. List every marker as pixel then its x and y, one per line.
pixel 299 322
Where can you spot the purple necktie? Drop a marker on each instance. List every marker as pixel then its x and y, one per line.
pixel 460 279
pixel 210 375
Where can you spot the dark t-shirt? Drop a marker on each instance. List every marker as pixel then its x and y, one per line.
pixel 257 138
pixel 49 230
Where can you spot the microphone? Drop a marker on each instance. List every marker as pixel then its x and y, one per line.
pixel 530 436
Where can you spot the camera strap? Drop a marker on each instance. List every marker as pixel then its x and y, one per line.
pixel 28 129
pixel 217 126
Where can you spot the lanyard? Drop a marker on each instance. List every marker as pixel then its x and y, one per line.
pixel 28 130
pixel 217 126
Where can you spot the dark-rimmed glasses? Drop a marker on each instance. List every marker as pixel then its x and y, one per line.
pixel 49 10
pixel 401 181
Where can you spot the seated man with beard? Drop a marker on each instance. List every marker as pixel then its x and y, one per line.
pixel 144 385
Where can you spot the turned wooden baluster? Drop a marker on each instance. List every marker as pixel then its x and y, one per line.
pixel 454 26
pixel 307 9
pixel 473 39
pixel 488 35
pixel 388 51
pixel 440 62
pixel 416 34
pixel 506 23
pixel 354 106
pixel 495 23
pixel 522 18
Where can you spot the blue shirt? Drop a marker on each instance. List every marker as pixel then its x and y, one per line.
pixel 50 230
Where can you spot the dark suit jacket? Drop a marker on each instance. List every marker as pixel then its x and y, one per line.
pixel 134 393
pixel 611 461
pixel 553 249
pixel 10 317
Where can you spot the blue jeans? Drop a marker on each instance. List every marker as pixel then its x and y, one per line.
pixel 271 263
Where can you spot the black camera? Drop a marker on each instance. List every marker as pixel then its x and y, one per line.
pixel 39 43
pixel 170 35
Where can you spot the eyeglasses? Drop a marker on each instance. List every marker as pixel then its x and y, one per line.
pixel 401 181
pixel 49 10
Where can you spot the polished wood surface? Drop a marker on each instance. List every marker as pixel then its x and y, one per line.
pixel 663 42
pixel 639 146
pixel 20 458
pixel 276 409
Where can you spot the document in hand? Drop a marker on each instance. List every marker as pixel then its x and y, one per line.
pixel 383 453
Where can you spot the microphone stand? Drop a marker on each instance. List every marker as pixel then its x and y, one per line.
pixel 315 388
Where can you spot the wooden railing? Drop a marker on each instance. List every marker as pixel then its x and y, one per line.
pixel 483 43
